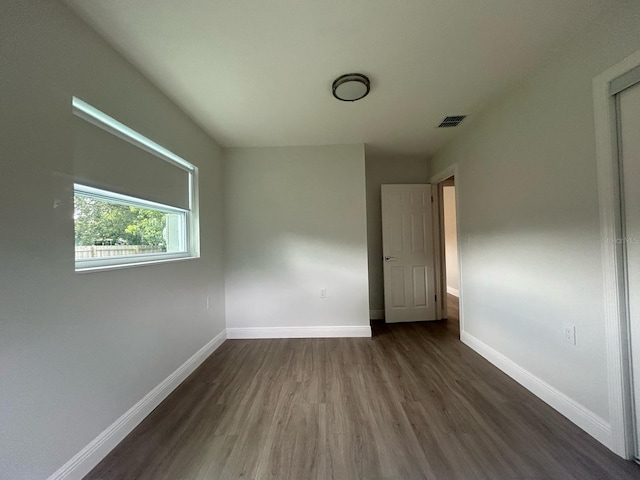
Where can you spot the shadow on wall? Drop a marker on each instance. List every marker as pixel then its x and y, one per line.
pixel 301 281
pixel 521 291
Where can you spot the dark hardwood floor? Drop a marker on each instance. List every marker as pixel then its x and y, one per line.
pixel 410 403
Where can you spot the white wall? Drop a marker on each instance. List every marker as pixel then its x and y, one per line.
pixel 78 350
pixel 296 223
pixel 451 240
pixel 528 216
pixel 380 170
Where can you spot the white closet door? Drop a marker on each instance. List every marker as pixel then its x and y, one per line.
pixel 629 116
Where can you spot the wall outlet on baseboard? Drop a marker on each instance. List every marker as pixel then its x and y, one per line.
pixel 570 334
pixel 323 293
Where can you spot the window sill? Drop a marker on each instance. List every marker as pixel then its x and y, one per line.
pixel 137 262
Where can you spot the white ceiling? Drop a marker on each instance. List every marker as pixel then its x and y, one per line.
pixel 259 72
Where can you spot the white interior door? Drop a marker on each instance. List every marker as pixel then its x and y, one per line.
pixel 407 246
pixel 629 116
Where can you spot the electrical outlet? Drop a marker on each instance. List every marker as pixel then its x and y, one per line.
pixel 323 293
pixel 570 335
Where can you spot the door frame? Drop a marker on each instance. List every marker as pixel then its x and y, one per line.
pixel 439 247
pixel 613 261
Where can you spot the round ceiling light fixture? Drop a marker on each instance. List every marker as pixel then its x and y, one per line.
pixel 351 87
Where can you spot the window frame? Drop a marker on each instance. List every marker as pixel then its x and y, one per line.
pixel 94 116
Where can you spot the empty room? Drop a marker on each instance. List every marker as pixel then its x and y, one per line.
pixel 303 239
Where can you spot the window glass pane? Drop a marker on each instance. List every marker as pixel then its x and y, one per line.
pixel 111 228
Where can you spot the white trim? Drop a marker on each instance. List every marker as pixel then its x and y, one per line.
pixel 136 262
pixel 376 314
pixel 616 322
pixel 87 458
pixel 591 423
pixel 437 215
pixel 341 331
pixel 450 171
pixel 453 291
pixel 625 81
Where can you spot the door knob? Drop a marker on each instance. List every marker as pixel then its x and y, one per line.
pixel 389 259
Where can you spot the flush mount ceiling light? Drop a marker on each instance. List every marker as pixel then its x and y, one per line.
pixel 351 87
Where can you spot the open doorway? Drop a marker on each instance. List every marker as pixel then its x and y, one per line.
pixel 447 251
pixel 452 274
pixel 451 282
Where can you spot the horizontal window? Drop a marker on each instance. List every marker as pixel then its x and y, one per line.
pixel 135 202
pixel 115 229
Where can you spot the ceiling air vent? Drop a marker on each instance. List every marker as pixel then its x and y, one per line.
pixel 453 121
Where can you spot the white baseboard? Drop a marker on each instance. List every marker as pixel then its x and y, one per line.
pixel 376 314
pixel 87 458
pixel 453 291
pixel 591 423
pixel 300 332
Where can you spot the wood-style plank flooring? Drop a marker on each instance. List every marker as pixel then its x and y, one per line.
pixel 410 403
